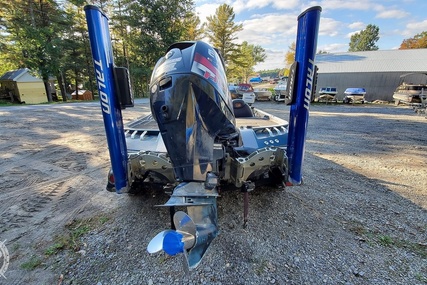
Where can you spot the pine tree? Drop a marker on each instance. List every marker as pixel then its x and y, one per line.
pixel 365 40
pixel 34 28
pixel 221 31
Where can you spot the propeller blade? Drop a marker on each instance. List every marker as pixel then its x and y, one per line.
pixel 156 244
pixel 184 223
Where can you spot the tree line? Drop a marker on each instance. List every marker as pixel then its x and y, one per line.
pixel 50 38
pixel 367 38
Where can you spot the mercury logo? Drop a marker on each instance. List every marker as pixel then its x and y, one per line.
pixel 100 79
pixel 4 259
pixel 309 84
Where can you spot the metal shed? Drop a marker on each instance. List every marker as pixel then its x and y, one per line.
pixel 379 72
pixel 20 86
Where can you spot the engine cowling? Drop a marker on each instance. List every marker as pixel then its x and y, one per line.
pixel 192 106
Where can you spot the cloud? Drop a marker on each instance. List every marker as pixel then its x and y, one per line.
pixel 275 59
pixel 392 14
pixel 329 27
pixel 414 28
pixel 350 5
pixel 275 30
pixel 242 5
pixel 289 4
pixel 206 10
pixel 357 25
pixel 334 47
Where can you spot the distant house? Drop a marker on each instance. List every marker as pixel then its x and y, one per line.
pixel 379 72
pixel 20 86
pixel 82 95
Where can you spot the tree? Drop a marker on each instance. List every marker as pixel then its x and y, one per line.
pixel 52 38
pixel 34 28
pixel 290 54
pixel 418 41
pixel 221 31
pixel 77 63
pixel 193 30
pixel 365 40
pixel 246 57
pixel 151 27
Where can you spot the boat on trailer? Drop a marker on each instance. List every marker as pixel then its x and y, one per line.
pixel 408 92
pixel 262 94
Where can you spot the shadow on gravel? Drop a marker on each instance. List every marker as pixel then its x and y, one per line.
pixel 339 226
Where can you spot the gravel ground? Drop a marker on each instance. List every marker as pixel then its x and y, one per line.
pixel 359 218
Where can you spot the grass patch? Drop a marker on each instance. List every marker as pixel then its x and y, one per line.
pixel 59 245
pixel 385 240
pixel 358 229
pixel 103 220
pixel 73 232
pixel 416 248
pixel 4 103
pixel 261 267
pixel 388 241
pixel 421 278
pixel 374 238
pixel 32 264
pixel 16 246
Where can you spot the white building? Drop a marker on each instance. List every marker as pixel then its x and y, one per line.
pixel 379 72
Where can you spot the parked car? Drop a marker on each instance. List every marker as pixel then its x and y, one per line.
pixel 353 95
pixel 255 80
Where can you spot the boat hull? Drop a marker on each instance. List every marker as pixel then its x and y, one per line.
pixel 406 98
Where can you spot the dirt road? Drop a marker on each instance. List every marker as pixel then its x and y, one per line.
pixel 359 218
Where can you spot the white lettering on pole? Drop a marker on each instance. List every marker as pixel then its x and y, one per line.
pixel 100 80
pixel 309 84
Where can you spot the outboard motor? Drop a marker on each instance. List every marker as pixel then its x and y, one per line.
pixel 192 106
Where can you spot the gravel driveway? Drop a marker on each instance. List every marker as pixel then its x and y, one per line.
pixel 359 218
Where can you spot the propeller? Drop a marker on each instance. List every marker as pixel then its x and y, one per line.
pixel 188 238
pixel 175 241
pixel 194 231
pixel 156 244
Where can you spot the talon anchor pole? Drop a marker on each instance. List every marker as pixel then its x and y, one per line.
pixel 308 26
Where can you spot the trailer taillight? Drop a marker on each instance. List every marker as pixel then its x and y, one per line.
pixel 111 177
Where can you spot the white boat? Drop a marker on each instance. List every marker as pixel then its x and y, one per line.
pixel 280 91
pixel 262 94
pixel 353 95
pixel 410 93
pixel 248 97
pixel 327 94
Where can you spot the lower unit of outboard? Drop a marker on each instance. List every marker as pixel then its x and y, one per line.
pixel 190 102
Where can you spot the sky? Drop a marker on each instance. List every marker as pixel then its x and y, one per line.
pixel 272 24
